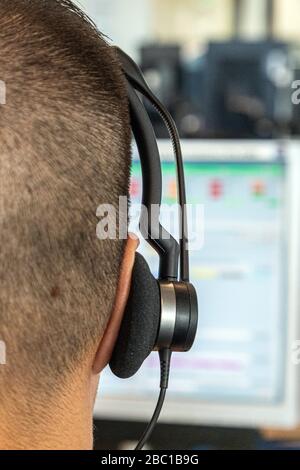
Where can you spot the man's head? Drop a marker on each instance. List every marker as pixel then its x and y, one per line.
pixel 65 149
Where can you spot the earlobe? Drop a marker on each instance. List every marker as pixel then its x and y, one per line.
pixel 109 338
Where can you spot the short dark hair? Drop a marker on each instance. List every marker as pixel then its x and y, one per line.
pixel 64 149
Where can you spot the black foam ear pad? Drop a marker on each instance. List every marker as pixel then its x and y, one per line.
pixel 140 324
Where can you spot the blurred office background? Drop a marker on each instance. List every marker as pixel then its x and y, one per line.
pixel 225 69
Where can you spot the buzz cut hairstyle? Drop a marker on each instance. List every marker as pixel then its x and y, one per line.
pixel 65 149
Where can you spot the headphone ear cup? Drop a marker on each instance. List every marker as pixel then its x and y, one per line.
pixel 139 328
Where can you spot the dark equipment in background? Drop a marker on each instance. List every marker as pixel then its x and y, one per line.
pixel 248 90
pixel 162 68
pixel 236 89
pixel 161 65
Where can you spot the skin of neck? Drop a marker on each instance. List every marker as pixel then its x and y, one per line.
pixel 65 422
pixel 31 419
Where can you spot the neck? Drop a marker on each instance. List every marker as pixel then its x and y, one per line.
pixel 65 423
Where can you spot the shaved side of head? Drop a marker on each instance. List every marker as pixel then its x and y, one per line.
pixel 65 149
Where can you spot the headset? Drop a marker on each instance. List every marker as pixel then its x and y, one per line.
pixel 161 314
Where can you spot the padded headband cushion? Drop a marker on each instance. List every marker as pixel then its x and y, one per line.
pixel 140 324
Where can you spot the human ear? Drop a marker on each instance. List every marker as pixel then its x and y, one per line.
pixel 109 338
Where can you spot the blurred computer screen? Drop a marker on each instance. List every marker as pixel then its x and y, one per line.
pixel 239 371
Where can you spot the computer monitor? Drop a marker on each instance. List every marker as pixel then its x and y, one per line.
pixel 242 369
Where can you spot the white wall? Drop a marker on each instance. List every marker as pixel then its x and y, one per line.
pixel 253 23
pixel 131 22
pixel 193 20
pixel 128 23
pixel 287 19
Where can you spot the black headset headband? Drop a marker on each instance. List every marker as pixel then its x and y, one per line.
pixel 165 245
pixel 160 314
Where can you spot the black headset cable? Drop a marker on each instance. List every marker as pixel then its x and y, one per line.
pixel 165 361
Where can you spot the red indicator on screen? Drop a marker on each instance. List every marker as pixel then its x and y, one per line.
pixel 216 189
pixel 259 188
pixel 172 189
pixel 134 188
